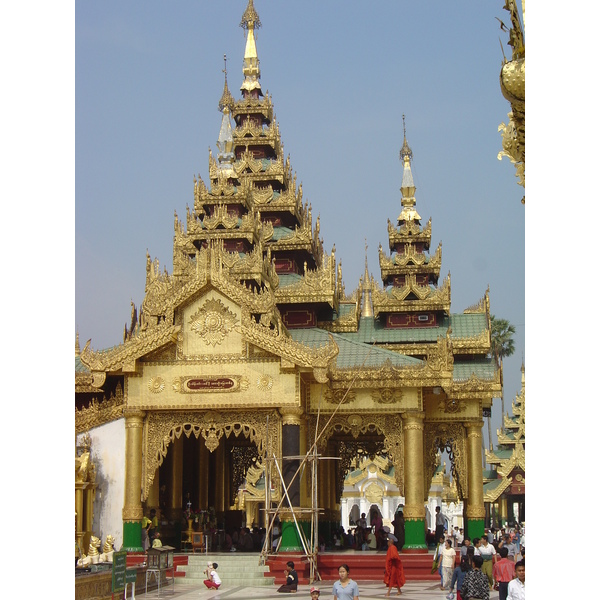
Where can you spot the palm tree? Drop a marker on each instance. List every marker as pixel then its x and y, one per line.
pixel 502 341
pixel 502 344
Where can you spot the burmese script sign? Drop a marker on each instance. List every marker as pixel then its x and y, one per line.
pixel 210 384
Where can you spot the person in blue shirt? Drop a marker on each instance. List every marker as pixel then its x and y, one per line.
pixel 345 588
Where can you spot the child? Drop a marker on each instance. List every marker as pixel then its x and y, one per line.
pixel 213 580
pixel 315 592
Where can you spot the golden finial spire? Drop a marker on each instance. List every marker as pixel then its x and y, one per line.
pixel 77 348
pixel 251 22
pixel 407 187
pixel 250 18
pixel 405 151
pixel 226 100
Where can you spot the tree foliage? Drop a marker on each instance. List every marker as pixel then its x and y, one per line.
pixel 502 338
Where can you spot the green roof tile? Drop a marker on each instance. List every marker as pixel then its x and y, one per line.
pixel 483 369
pixel 80 367
pixel 353 353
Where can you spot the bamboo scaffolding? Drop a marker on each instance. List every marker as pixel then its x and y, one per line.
pixel 312 457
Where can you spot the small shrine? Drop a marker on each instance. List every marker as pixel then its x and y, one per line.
pixel 504 486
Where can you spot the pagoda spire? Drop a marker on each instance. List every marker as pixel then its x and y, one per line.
pixel 225 141
pixel 250 22
pixel 367 304
pixel 408 187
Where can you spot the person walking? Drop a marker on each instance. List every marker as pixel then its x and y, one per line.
pixel 448 562
pixel 475 585
pixel 345 588
pixel 394 571
pixel 437 560
pixel 503 572
pixel 458 576
pixel 516 588
pixel 488 553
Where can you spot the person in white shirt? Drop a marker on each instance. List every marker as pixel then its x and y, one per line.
pixel 213 580
pixel 448 560
pixel 459 536
pixel 516 588
pixel 488 553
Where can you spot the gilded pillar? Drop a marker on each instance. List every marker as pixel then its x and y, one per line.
pixel 132 510
pixel 414 481
pixel 90 495
pixel 290 447
pixel 305 497
pixel 152 499
pixel 220 478
pixel 79 513
pixel 175 487
pixel 475 506
pixel 332 466
pixel 203 462
pixel 503 511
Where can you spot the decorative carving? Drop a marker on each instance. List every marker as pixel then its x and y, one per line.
pixel 132 513
pixel 100 412
pixel 242 458
pixel 156 384
pixel 264 383
pixel 335 396
pixel 451 405
pixel 387 396
pixel 213 321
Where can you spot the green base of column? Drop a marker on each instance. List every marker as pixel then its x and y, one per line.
pixel 475 528
pixel 414 534
pixel 132 537
pixel 290 539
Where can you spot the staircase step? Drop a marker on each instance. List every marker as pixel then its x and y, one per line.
pixel 234 569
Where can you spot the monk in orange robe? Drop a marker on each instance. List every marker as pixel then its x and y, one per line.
pixel 394 571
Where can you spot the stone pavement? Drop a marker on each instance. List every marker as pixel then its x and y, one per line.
pixel 412 590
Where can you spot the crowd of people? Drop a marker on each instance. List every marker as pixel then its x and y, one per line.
pixel 496 560
pixel 369 537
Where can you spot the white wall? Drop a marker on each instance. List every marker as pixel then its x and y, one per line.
pixel 108 454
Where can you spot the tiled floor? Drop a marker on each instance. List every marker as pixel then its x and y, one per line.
pixel 412 590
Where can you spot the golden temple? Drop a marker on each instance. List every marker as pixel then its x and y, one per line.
pixel 251 351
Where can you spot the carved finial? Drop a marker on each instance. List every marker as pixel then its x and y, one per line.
pixel 226 100
pixel 405 151
pixel 250 18
pixel 77 349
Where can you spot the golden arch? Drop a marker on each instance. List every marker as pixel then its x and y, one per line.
pixel 387 425
pixel 163 428
pixel 450 437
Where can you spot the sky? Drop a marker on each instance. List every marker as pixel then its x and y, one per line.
pixel 341 75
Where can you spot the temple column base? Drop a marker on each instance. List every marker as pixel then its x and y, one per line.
pixel 132 534
pixel 290 539
pixel 475 528
pixel 414 535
